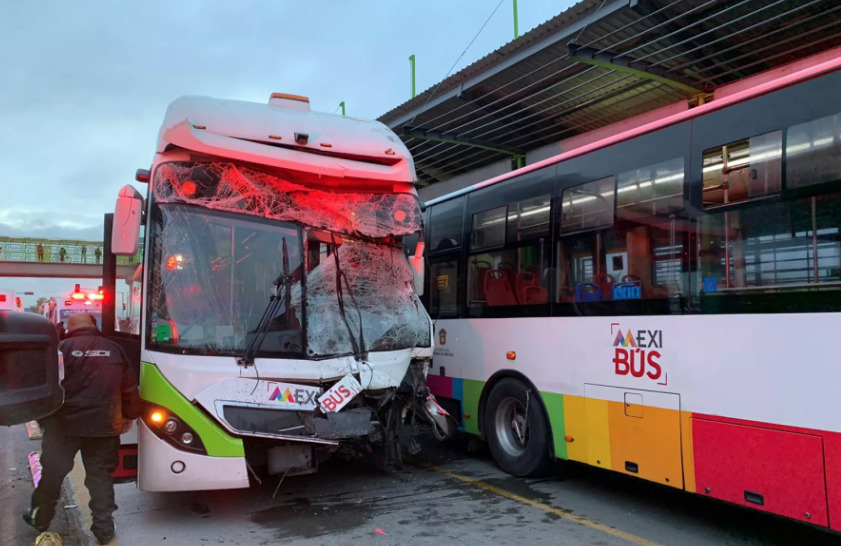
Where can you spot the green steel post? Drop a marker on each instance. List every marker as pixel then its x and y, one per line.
pixel 342 104
pixel 412 61
pixel 516 31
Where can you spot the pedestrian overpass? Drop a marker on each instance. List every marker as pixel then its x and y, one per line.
pixel 59 258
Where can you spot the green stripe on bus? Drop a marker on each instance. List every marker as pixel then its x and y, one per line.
pixel 156 389
pixel 472 391
pixel 555 408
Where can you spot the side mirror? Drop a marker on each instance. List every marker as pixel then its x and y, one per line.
pixel 127 216
pixel 417 262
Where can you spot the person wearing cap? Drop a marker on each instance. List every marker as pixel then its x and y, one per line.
pixel 101 401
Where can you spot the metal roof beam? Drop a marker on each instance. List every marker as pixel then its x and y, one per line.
pixel 627 65
pixel 455 138
pixel 562 34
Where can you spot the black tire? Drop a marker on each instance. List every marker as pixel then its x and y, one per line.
pixel 523 454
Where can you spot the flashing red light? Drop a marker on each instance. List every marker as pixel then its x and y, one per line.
pixel 174 261
pixel 174 330
pixel 77 296
pixel 2 297
pixel 189 188
pixel 399 215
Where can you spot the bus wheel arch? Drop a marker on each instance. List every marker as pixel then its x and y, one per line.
pixel 508 391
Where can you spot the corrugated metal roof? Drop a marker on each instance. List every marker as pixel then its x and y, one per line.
pixel 530 93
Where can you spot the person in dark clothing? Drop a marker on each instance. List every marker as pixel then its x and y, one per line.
pixel 101 401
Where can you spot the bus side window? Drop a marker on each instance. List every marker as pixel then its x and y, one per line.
pixel 443 293
pixel 756 246
pixel 634 254
pixel 508 262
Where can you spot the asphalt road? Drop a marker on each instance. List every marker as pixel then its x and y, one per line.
pixel 447 494
pixel 16 489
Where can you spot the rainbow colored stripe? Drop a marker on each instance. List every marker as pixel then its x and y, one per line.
pixel 789 471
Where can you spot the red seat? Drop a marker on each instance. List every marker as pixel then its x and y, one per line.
pixel 498 288
pixel 529 290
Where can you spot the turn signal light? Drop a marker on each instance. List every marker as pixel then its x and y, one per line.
pixel 511 355
pixel 170 428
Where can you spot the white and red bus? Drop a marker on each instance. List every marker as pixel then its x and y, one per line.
pixel 275 310
pixel 663 302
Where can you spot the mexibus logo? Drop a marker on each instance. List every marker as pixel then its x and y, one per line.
pixel 635 353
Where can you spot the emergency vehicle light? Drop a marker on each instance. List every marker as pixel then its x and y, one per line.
pixel 77 296
pixel 2 297
pixel 68 302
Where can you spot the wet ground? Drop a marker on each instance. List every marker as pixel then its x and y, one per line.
pixel 447 494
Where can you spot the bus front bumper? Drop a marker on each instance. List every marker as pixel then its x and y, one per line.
pixel 162 467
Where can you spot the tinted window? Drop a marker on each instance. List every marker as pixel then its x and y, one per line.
pixel 443 300
pixel 588 205
pixel 743 169
pixel 446 224
pixel 488 228
pixel 813 152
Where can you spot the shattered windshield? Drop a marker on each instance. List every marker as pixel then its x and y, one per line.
pixel 213 271
pixel 376 284
pixel 283 196
pixel 211 279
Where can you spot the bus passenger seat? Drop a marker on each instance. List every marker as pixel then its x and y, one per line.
pixel 529 290
pixel 498 288
pixel 588 291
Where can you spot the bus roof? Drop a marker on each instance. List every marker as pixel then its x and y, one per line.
pixel 285 133
pixel 785 80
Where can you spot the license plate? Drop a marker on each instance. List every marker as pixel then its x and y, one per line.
pixel 339 394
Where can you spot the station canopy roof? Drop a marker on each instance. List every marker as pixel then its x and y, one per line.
pixel 597 63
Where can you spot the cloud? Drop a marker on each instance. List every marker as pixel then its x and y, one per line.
pixel 86 84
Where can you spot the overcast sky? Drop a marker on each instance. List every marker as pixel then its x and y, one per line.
pixel 84 84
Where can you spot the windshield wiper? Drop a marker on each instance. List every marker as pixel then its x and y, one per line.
pixel 359 352
pixel 275 301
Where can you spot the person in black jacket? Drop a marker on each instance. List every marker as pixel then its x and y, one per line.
pixel 101 401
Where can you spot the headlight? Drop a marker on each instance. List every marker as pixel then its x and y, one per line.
pixel 170 428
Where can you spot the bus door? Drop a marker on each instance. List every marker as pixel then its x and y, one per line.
pixel 122 279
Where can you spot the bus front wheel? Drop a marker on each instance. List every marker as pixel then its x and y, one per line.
pixel 517 429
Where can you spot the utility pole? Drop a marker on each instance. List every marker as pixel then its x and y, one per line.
pixel 412 61
pixel 516 31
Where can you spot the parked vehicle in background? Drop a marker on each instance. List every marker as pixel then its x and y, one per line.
pixel 9 301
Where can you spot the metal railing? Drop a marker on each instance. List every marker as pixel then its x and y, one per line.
pixel 19 249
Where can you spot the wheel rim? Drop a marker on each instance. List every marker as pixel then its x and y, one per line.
pixel 511 426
